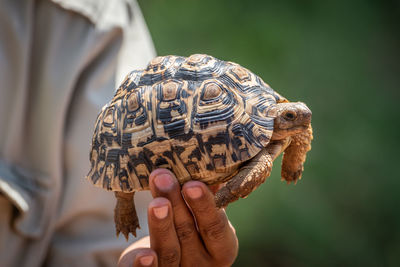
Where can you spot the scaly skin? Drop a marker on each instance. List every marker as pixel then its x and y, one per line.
pixel 251 175
pixel 125 217
pixel 246 181
pixel 295 156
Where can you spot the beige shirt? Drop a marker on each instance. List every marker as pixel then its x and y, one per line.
pixel 60 62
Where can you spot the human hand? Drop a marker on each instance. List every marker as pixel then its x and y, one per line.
pixel 196 233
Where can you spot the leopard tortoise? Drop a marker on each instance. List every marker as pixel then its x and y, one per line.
pixel 204 119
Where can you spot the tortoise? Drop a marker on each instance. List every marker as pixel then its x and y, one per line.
pixel 204 119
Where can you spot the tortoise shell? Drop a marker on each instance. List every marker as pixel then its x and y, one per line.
pixel 199 116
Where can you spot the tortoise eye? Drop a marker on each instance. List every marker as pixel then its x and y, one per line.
pixel 211 91
pixel 290 115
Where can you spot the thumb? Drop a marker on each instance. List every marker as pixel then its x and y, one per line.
pixel 137 255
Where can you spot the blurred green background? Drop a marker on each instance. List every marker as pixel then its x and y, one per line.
pixel 342 59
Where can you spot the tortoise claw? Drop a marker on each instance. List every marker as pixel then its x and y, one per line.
pixel 126 233
pixel 291 176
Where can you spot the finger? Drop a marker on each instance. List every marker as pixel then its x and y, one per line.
pixel 138 256
pixel 146 257
pixel 164 184
pixel 218 236
pixel 163 238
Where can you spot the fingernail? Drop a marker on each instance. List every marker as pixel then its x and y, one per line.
pixel 163 182
pixel 161 212
pixel 194 192
pixel 146 260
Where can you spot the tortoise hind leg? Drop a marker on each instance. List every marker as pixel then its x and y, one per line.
pixel 246 181
pixel 125 217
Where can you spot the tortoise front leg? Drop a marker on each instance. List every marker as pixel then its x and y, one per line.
pixel 246 181
pixel 295 156
pixel 251 175
pixel 125 217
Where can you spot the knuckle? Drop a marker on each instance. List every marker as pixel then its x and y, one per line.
pixel 232 228
pixel 202 207
pixel 185 230
pixel 226 260
pixel 215 230
pixel 227 257
pixel 170 256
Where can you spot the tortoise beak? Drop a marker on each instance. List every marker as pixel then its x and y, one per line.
pixel 307 116
pixel 304 113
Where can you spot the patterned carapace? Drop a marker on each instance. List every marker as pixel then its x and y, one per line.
pixel 198 116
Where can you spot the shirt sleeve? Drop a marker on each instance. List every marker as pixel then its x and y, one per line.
pixel 85 231
pixel 61 62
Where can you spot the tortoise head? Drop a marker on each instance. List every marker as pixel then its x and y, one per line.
pixel 290 119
